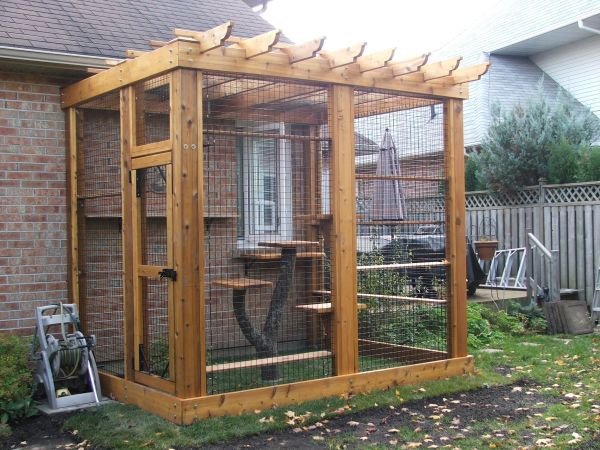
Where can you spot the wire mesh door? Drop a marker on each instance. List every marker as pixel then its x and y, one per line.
pixel 154 275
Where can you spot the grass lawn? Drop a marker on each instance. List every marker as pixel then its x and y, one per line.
pixel 563 373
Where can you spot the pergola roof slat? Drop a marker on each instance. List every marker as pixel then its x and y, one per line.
pixel 344 56
pixel 304 51
pixel 210 39
pixel 258 45
pixel 263 55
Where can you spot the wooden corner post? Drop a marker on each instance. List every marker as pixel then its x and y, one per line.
pixel 127 130
pixel 456 237
pixel 343 230
pixel 73 256
pixel 188 292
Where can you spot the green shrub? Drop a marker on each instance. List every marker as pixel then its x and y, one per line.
pixel 589 164
pixel 531 317
pixel 481 332
pixel 503 322
pixel 472 183
pixel 563 163
pixel 516 149
pixel 15 379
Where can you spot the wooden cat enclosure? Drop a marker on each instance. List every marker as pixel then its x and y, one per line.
pixel 249 223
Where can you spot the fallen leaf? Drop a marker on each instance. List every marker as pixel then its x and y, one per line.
pixel 318 438
pixel 413 444
pixel 353 423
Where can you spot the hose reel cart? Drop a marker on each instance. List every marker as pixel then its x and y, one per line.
pixel 65 363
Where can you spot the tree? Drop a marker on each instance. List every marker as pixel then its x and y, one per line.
pixel 589 164
pixel 563 163
pixel 472 183
pixel 516 149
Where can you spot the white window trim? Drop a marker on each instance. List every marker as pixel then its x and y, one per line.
pixel 284 189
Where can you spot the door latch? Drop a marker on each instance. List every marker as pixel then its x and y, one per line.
pixel 168 273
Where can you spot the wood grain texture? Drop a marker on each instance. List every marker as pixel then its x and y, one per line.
pixel 456 241
pixel 343 231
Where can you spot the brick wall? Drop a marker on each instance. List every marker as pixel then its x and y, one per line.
pixel 33 237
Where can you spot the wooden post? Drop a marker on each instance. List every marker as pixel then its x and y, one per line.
pixel 127 142
pixel 188 294
pixel 73 256
pixel 343 230
pixel 456 241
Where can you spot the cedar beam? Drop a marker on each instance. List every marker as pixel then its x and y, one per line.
pixel 210 39
pixel 439 69
pixel 374 61
pixel 410 65
pixel 456 240
pixel 134 53
pixel 467 74
pixel 343 231
pixel 127 101
pixel 304 51
pixel 258 45
pixel 188 296
pixel 73 215
pixel 345 56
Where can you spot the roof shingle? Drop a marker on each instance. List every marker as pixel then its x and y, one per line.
pixel 109 27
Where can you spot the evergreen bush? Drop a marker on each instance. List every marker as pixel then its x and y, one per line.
pixel 516 149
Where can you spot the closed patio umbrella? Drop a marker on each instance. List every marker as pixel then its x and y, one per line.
pixel 388 198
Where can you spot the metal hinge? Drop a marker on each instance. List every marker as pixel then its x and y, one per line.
pixel 138 183
pixel 168 273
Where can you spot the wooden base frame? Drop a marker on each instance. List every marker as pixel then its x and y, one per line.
pixel 185 411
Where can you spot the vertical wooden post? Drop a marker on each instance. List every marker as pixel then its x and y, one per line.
pixel 343 230
pixel 456 239
pixel 73 256
pixel 188 294
pixel 127 121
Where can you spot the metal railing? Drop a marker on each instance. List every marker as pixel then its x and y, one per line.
pixel 543 271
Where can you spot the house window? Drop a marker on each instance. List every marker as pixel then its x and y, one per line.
pixel 264 194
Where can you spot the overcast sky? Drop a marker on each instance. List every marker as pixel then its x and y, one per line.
pixel 413 26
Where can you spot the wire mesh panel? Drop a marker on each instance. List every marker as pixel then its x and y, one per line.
pixel 154 347
pixel 152 110
pixel 402 269
pixel 267 317
pixel 99 228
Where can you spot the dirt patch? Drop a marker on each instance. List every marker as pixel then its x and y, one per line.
pixel 438 421
pixel 40 433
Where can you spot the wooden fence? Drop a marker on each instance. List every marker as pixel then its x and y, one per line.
pixel 563 217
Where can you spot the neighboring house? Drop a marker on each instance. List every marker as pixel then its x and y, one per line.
pixel 525 41
pixel 45 45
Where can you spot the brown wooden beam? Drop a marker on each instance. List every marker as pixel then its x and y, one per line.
pixel 439 69
pixel 207 40
pixel 343 230
pixel 305 50
pixel 73 255
pixel 190 362
pixel 456 240
pixel 233 60
pixel 344 56
pixel 374 61
pixel 127 99
pixel 261 44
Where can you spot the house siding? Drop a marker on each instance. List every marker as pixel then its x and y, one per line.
pixel 33 243
pixel 575 67
pixel 511 79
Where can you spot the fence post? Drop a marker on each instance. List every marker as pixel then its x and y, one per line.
pixel 538 226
